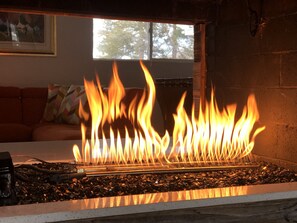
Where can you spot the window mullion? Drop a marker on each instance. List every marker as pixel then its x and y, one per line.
pixel 151 41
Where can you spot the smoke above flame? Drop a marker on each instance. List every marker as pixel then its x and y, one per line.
pixel 208 135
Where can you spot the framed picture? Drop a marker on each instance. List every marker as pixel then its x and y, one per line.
pixel 27 34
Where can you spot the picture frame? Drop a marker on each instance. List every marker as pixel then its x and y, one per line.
pixel 27 34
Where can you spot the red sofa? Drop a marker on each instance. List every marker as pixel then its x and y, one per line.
pixel 21 117
pixel 21 112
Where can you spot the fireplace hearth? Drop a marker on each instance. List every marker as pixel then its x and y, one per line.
pixel 34 186
pixel 238 61
pixel 154 202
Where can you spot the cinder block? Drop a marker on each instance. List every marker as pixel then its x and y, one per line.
pixel 233 11
pixel 277 105
pixel 266 143
pixel 279 34
pixel 210 30
pixel 235 41
pixel 225 96
pixel 249 71
pixel 210 46
pixel 236 11
pixel 289 70
pixel 274 8
pixel 287 142
pixel 277 110
pixel 261 70
pixel 276 35
pixel 210 63
pixel 210 77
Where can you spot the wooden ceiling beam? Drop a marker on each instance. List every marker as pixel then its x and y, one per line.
pixel 176 11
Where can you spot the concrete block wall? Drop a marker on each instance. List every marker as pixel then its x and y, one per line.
pixel 239 64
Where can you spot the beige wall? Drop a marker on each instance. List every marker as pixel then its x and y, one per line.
pixel 74 61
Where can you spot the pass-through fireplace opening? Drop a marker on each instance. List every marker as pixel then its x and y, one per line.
pixel 240 133
pixel 212 145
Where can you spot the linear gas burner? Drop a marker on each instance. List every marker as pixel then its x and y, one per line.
pixel 174 167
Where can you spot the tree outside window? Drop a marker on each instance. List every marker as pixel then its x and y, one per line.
pixel 116 39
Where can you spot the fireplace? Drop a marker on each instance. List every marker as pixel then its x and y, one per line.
pixel 243 55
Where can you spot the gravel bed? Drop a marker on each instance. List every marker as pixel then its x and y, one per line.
pixel 33 186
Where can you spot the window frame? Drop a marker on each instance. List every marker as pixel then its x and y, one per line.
pixel 150 54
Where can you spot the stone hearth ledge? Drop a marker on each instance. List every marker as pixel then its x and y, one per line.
pixel 145 203
pixel 131 204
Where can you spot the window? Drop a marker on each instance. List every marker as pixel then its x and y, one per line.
pixel 117 39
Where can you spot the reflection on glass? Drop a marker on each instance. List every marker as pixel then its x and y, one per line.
pixel 153 198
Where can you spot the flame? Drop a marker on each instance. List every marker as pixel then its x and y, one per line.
pixel 210 136
pixel 214 135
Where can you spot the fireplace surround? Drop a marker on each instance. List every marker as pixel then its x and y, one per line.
pixel 231 59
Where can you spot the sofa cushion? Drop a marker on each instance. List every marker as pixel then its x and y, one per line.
pixel 56 93
pixel 55 131
pixel 10 104
pixel 68 112
pixel 15 132
pixel 33 104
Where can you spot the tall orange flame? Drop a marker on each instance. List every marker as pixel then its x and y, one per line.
pixel 211 136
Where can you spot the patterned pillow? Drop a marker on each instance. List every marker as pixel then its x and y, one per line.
pixel 68 112
pixel 56 94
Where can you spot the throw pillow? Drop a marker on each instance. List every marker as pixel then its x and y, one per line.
pixel 56 94
pixel 68 112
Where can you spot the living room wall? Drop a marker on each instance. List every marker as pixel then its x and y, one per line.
pixel 74 61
